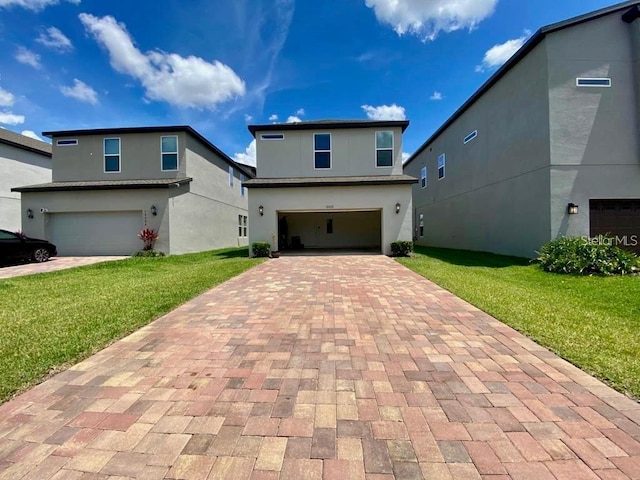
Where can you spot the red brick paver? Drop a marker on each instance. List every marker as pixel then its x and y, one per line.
pixel 322 367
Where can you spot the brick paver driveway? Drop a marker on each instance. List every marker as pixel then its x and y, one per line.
pixel 56 263
pixel 327 367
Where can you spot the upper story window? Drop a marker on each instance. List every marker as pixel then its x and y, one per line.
pixel 242 187
pixel 272 136
pixel 441 166
pixel 384 149
pixel 111 155
pixel 471 136
pixel 423 177
pixel 593 82
pixel 322 150
pixel 230 176
pixel 169 147
pixel 71 142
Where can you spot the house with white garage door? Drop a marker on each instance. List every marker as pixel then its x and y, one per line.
pixel 108 184
pixel 330 185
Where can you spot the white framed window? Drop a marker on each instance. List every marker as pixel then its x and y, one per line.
pixel 242 226
pixel 169 153
pixel 71 142
pixel 321 151
pixel 242 187
pixel 384 149
pixel 593 82
pixel 111 155
pixel 272 136
pixel 230 176
pixel 423 177
pixel 421 224
pixel 441 166
pixel 470 137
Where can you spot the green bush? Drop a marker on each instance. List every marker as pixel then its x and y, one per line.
pixel 584 256
pixel 261 249
pixel 148 253
pixel 401 248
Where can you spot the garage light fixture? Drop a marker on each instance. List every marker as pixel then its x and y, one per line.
pixel 398 207
pixel 261 210
pixel 154 210
pixel 572 209
pixel 29 213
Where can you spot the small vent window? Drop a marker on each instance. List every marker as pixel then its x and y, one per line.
pixel 471 136
pixel 593 82
pixel 67 143
pixel 272 136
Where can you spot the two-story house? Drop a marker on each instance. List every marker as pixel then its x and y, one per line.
pixel 108 184
pixel 22 160
pixel 547 147
pixel 330 185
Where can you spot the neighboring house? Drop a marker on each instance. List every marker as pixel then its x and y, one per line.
pixel 22 160
pixel 108 184
pixel 330 185
pixel 547 147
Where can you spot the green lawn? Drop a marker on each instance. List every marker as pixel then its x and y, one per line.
pixel 594 322
pixel 54 319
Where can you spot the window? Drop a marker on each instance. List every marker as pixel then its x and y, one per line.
pixel 272 136
pixel 471 136
pixel 169 148
pixel 423 177
pixel 242 226
pixel 441 162
pixel 112 155
pixel 322 150
pixel 230 176
pixel 593 82
pixel 242 187
pixel 384 149
pixel 329 225
pixel 421 223
pixel 67 143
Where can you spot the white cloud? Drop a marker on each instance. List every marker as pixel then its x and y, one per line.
pixel 248 118
pixel 273 118
pixel 498 54
pixel 9 118
pixel 436 95
pixel 31 134
pixel 427 18
pixel 300 112
pixel 26 56
pixel 385 112
pixel 249 155
pixel 34 5
pixel 55 39
pixel 80 91
pixel 181 81
pixel 6 98
pixel 293 119
pixel 405 156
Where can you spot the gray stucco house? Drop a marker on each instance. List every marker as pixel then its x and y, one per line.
pixel 547 147
pixel 108 184
pixel 330 185
pixel 22 160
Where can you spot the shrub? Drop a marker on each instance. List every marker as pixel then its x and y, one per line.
pixel 261 249
pixel 148 237
pixel 582 256
pixel 148 253
pixel 401 248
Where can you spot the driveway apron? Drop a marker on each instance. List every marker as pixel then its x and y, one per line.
pixel 322 367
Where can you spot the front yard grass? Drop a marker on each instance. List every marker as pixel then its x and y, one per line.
pixel 593 322
pixel 51 320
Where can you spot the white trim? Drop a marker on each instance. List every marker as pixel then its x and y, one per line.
pixel 470 137
pixel 423 176
pixel 104 155
pixel 322 151
pixel 376 148
pixel 443 167
pixel 72 142
pixel 274 136
pixel 170 153
pixel 605 79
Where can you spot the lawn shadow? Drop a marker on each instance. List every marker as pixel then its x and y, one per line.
pixel 232 253
pixel 468 258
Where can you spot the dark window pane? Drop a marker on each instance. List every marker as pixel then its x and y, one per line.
pixel 384 158
pixel 169 144
pixel 329 225
pixel 323 160
pixel 112 164
pixel 169 161
pixel 112 146
pixel 384 139
pixel 322 141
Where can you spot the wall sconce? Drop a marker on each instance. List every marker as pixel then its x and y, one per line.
pixel 398 207
pixel 572 209
pixel 154 210
pixel 29 213
pixel 261 210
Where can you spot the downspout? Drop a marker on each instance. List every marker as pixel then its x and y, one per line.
pixel 631 17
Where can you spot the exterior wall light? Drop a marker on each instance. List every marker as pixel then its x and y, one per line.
pixel 261 210
pixel 398 207
pixel 572 209
pixel 154 210
pixel 29 213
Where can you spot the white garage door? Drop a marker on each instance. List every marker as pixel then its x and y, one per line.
pixel 96 233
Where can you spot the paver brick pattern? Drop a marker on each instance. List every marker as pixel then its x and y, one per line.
pixel 322 367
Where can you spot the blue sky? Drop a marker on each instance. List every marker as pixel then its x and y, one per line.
pixel 219 65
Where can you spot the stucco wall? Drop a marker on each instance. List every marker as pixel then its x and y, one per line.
pixel 353 153
pixel 326 199
pixel 18 167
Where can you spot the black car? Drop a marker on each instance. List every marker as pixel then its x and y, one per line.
pixel 16 247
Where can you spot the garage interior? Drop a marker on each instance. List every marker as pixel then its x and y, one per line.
pixel 617 218
pixel 330 230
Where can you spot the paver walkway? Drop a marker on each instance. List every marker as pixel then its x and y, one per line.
pixel 56 263
pixel 328 367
